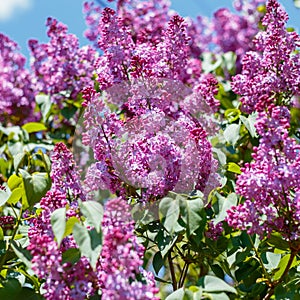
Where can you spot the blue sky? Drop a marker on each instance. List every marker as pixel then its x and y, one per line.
pixel 25 19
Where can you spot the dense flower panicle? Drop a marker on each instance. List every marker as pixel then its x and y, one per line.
pixel 7 222
pixel 174 49
pixel 147 19
pixel 116 43
pixel 155 146
pixel 16 89
pixel 135 73
pixel 61 66
pixel 64 174
pixel 62 280
pixel 270 182
pixel 214 231
pixel 121 257
pixel 273 68
pixel 233 32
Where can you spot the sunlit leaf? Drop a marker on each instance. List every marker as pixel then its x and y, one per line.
pixel 34 127
pixel 58 222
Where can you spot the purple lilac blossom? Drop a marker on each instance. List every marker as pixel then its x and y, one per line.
pixel 271 183
pixel 134 74
pixel 16 88
pixel 273 68
pixel 121 257
pixel 62 280
pixel 61 68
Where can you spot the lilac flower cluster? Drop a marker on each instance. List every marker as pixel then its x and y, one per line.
pixel 16 89
pixel 153 139
pixel 61 67
pixel 273 68
pixel 214 231
pixel 121 257
pixel 150 149
pixel 146 19
pixel 7 222
pixel 62 279
pixel 270 183
pixel 118 269
pixel 234 32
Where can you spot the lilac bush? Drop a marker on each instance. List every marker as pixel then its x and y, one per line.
pixel 187 180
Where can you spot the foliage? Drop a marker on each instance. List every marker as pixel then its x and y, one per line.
pixel 161 162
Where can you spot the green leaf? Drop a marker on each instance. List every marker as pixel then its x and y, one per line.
pixel 249 123
pixel 234 168
pixel 229 60
pixel 89 243
pixel 4 196
pixel 18 159
pixel 184 294
pixel 46 161
pixel 221 155
pixel 69 225
pixel 224 205
pixel 283 264
pixel 297 3
pixel 232 133
pixel 11 289
pixel 232 114
pixel 22 253
pixel 217 270
pixel 36 186
pixel 191 212
pixel 15 147
pixel 58 223
pixel 44 103
pixel 72 256
pixel 278 242
pixel 219 296
pixel 14 182
pixel 1 234
pixel 164 241
pixel 158 262
pixel 273 260
pixel 34 127
pixel 213 284
pixel 69 112
pixel 16 195
pixel 177 295
pixel 93 211
pixel 169 213
pixel 197 292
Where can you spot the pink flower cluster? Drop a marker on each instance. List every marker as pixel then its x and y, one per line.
pixel 122 257
pixel 153 140
pixel 118 274
pixel 273 69
pixel 7 222
pixel 151 148
pixel 62 279
pixel 270 184
pixel 61 68
pixel 234 32
pixel 16 88
pixel 146 19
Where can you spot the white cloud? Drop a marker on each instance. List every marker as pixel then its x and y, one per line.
pixel 8 8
